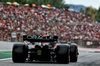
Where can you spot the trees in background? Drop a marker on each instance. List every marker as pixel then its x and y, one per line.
pixel 98 15
pixel 81 10
pixel 91 12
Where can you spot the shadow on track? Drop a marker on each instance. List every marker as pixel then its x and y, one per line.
pixel 44 62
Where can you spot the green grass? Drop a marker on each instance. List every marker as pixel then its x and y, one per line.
pixel 5 54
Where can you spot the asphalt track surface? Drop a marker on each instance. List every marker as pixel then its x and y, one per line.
pixel 84 59
pixel 7 46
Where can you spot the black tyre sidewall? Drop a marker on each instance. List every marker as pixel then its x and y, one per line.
pixel 73 55
pixel 19 56
pixel 62 54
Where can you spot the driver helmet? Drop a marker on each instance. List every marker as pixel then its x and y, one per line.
pixel 46 34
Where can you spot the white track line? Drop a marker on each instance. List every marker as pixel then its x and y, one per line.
pixel 5 59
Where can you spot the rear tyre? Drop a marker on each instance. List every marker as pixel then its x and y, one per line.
pixel 73 53
pixel 19 53
pixel 62 54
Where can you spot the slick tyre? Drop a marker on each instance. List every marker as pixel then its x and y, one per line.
pixel 73 53
pixel 19 53
pixel 62 54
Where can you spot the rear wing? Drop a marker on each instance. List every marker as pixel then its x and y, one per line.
pixel 36 38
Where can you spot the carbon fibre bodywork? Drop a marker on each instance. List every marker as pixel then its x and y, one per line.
pixel 41 48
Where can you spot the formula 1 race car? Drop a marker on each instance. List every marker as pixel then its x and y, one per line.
pixel 43 48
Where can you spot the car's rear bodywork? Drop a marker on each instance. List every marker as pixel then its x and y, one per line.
pixel 41 48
